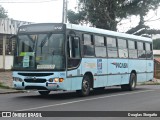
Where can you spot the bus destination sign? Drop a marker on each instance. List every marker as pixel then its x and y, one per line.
pixel 50 27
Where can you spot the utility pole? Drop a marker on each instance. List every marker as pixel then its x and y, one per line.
pixel 4 50
pixel 64 14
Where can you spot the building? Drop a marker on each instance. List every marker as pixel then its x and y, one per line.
pixel 8 28
pixel 156 54
pixel 156 36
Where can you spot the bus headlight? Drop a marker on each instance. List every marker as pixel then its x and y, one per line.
pixel 51 79
pixel 16 79
pixel 56 79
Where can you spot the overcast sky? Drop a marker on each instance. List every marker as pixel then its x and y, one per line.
pixel 52 12
pixel 37 12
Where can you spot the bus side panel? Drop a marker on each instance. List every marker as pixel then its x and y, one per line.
pixel 140 67
pixel 150 69
pixel 124 71
pixel 101 78
pixel 89 65
pixel 125 78
pixel 75 77
pixel 76 83
pixel 117 69
pixel 114 80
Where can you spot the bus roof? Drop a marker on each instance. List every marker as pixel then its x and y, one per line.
pixel 106 32
pixel 49 27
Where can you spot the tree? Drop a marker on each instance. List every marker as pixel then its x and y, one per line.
pixel 156 44
pixel 76 18
pixel 3 12
pixel 97 13
pixel 106 14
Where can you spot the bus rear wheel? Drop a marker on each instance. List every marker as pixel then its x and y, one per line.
pixel 132 83
pixel 85 90
pixel 44 93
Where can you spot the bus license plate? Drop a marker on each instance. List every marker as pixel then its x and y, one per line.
pixel 52 85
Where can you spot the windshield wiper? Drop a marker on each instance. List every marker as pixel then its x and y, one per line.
pixel 45 40
pixel 30 38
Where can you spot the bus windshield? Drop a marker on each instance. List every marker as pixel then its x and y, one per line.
pixel 39 52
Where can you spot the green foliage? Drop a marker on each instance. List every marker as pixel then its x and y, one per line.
pixel 137 7
pixel 156 44
pixel 3 12
pixel 3 86
pixel 76 18
pixel 106 14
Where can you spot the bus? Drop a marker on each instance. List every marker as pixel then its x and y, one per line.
pixel 67 57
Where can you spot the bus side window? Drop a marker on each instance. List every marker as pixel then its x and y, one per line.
pixel 73 47
pixel 112 47
pixel 100 46
pixel 88 45
pixel 122 48
pixel 132 49
pixel 149 53
pixel 141 50
pixel 73 51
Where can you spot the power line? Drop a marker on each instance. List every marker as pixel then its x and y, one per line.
pixel 23 1
pixel 152 20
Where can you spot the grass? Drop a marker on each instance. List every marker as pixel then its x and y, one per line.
pixel 150 83
pixel 4 86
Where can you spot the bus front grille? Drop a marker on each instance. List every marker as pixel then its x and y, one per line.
pixel 35 80
pixel 36 74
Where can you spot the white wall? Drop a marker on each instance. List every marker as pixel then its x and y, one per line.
pixel 8 62
pixel 1 62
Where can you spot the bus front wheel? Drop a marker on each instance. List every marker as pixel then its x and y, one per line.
pixel 44 93
pixel 85 90
pixel 132 83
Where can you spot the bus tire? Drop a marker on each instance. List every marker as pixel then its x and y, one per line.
pixel 44 93
pixel 132 83
pixel 85 90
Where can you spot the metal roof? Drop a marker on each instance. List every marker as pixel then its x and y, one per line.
pixel 9 26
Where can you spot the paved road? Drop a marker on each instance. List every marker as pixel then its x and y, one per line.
pixel 144 98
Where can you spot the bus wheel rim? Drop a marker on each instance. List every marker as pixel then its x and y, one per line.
pixel 133 82
pixel 85 85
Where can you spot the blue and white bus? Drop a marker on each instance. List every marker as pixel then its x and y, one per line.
pixel 56 56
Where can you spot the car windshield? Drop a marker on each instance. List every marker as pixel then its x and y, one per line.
pixel 40 51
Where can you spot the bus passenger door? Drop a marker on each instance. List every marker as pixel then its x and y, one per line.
pixel 73 62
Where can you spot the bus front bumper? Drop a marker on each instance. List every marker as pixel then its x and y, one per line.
pixel 36 86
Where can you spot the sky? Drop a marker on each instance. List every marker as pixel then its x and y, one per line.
pixel 37 12
pixel 50 12
pixel 152 19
